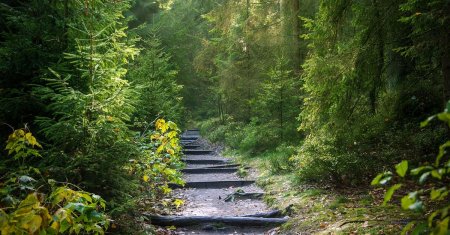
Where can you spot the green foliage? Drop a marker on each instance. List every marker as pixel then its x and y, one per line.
pixel 156 85
pixel 68 211
pixel 274 117
pixel 280 159
pixel 32 37
pixel 431 187
pixel 21 144
pixel 181 28
pixel 362 97
pixel 161 161
pixel 47 209
pixel 65 65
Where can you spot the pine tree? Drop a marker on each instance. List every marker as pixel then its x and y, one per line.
pixel 89 100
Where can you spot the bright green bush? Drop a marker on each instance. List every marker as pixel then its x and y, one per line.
pixel 33 204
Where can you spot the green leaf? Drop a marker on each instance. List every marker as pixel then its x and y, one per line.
pixel 385 180
pixel 442 226
pixel 172 125
pixel 416 206
pixel 408 200
pixel 34 223
pixel 424 177
pixel 434 194
pixel 64 225
pixel 444 117
pixel 420 229
pixel 431 218
pixel 417 170
pixel 438 194
pixel 80 207
pixel 447 107
pixel 390 192
pixel 96 197
pixel 426 122
pixel 436 174
pixel 377 179
pixel 408 227
pixel 382 178
pixel 442 152
pixel 145 178
pixel 402 168
pixel 77 228
pixel 26 179
pixel 178 202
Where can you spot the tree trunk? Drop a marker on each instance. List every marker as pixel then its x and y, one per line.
pixel 379 43
pixel 445 58
pixel 290 33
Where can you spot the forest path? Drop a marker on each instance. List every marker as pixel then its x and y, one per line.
pixel 217 200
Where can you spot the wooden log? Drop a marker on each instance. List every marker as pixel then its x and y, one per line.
pixel 204 161
pixel 209 170
pixel 229 220
pixel 270 214
pixel 214 184
pixel 197 151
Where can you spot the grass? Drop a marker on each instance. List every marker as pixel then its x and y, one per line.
pixel 325 209
pixel 242 172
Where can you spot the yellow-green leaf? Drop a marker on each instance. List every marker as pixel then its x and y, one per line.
pixel 172 125
pixel 172 134
pixel 145 178
pixel 160 148
pixel 166 189
pixel 390 192
pixel 34 224
pixel 402 168
pixel 171 227
pixel 178 202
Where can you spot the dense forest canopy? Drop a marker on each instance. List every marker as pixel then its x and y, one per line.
pixel 331 92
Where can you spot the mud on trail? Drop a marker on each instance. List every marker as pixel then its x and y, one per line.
pixel 217 200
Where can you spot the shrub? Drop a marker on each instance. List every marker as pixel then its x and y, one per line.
pixel 431 187
pixel 30 206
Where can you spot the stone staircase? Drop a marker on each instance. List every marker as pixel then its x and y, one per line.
pixel 217 201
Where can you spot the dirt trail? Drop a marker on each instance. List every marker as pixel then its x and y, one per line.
pixel 206 196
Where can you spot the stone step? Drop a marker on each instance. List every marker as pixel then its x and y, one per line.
pixel 214 184
pixel 187 143
pixel 192 146
pixel 223 166
pixel 197 151
pixel 192 132
pixel 187 137
pixel 209 170
pixel 205 161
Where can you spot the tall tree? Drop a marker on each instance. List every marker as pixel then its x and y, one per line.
pixel 291 32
